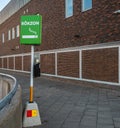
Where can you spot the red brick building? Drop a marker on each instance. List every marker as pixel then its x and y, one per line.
pixel 80 39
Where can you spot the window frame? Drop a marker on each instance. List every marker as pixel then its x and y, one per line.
pixel 13 33
pixel 67 15
pixel 83 6
pixel 17 31
pixel 9 34
pixel 3 37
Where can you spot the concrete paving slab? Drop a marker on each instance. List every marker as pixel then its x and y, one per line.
pixel 65 104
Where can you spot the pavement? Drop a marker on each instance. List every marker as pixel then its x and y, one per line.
pixel 66 104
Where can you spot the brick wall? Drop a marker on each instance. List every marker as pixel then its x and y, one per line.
pixel 68 64
pixel 18 63
pixel 4 62
pixel 95 26
pixel 26 63
pixel 11 62
pixel 47 63
pixel 0 62
pixel 100 64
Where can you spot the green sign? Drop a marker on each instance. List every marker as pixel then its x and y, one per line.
pixel 31 29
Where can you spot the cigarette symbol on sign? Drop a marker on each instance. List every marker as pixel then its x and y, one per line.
pixel 30 36
pixel 34 32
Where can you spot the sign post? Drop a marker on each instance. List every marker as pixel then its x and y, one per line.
pixel 30 34
pixel 31 76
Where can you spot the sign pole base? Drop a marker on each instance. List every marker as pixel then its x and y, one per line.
pixel 31 115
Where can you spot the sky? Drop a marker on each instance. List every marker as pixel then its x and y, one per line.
pixel 3 3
